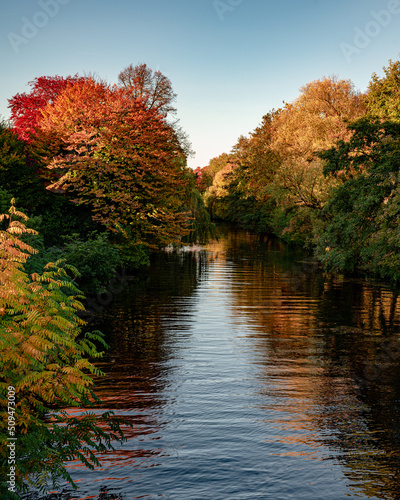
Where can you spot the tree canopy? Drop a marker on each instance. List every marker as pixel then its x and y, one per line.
pixel 362 229
pixel 152 86
pixel 383 96
pixel 107 149
pixel 26 107
pixel 322 171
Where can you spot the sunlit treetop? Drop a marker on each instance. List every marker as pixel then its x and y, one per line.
pixel 154 87
pixel 26 107
pixel 383 97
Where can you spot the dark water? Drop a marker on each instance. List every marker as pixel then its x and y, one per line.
pixel 247 373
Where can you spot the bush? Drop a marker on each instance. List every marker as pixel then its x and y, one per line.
pixel 5 200
pixel 44 366
pixel 96 259
pixel 60 217
pixel 134 256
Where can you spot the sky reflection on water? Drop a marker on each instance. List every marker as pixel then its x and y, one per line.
pixel 244 372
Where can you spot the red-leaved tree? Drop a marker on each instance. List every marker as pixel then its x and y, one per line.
pixel 110 151
pixel 26 107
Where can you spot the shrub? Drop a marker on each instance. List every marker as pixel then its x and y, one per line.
pixel 44 360
pixel 96 259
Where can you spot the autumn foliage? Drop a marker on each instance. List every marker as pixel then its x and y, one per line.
pixel 26 107
pixel 275 180
pixel 84 153
pixel 105 148
pixel 153 87
pixel 321 171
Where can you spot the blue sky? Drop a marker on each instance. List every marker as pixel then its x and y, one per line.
pixel 230 61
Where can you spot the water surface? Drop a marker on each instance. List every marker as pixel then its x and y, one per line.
pixel 248 373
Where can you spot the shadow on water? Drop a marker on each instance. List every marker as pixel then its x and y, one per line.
pixel 246 372
pixel 328 350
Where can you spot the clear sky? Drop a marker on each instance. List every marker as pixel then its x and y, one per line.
pixel 229 61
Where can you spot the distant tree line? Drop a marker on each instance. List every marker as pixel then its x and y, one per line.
pixel 323 172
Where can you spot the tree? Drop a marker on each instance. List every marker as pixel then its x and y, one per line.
pixel 383 96
pixel 21 177
pixel 215 164
pixel 314 122
pixel 26 107
pixel 216 193
pixel 251 190
pixel 44 361
pixel 200 224
pixel 156 91
pixel 154 87
pixel 276 182
pixel 256 161
pixel 108 150
pixel 362 230
pixel 17 174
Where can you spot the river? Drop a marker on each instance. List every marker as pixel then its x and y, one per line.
pixel 249 373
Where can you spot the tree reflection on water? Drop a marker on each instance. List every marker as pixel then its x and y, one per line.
pixel 318 360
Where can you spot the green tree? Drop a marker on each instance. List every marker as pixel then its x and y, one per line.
pixel 362 230
pixel 383 96
pixel 201 227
